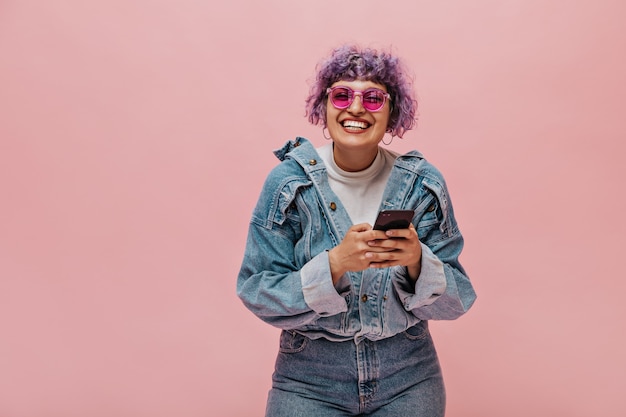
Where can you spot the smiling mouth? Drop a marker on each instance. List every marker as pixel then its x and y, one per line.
pixel 354 125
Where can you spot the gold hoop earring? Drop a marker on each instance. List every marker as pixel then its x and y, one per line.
pixel 326 137
pixel 387 143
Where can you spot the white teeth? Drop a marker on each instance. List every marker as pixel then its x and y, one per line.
pixel 355 124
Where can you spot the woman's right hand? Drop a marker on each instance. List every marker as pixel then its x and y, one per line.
pixel 351 253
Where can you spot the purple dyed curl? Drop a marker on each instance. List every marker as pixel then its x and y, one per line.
pixel 349 63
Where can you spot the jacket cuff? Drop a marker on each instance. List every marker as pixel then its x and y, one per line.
pixel 317 285
pixel 430 284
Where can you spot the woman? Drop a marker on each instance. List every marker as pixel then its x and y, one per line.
pixel 354 302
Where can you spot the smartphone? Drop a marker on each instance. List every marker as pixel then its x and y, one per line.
pixel 393 219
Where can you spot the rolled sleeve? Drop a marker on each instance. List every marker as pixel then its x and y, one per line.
pixel 318 289
pixel 430 285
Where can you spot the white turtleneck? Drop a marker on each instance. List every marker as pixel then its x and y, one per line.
pixel 360 192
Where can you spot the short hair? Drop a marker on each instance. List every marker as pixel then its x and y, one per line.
pixel 349 63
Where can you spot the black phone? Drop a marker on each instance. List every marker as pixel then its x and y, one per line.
pixel 393 219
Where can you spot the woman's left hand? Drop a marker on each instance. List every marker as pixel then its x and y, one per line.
pixel 404 250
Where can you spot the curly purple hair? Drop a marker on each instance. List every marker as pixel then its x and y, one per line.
pixel 349 62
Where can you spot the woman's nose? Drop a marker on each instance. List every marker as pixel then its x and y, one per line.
pixel 356 107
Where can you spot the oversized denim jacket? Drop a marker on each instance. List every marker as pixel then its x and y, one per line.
pixel 285 275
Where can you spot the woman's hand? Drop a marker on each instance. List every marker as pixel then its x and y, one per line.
pixel 402 247
pixel 363 248
pixel 354 251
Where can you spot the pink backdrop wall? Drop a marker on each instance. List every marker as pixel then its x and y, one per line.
pixel 134 138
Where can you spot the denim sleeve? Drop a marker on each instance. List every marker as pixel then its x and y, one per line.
pixel 443 290
pixel 318 289
pixel 430 285
pixel 276 290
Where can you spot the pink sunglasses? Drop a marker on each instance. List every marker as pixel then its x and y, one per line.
pixel 372 99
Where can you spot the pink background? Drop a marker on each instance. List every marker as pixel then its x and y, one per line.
pixel 135 136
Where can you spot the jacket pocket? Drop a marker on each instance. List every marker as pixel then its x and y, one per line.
pixel 285 206
pixel 437 212
pixel 427 215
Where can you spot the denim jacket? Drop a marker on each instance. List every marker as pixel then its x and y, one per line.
pixel 285 275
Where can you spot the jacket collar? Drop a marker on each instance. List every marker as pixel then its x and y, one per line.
pixel 301 150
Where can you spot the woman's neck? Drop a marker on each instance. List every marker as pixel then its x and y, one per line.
pixel 354 161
